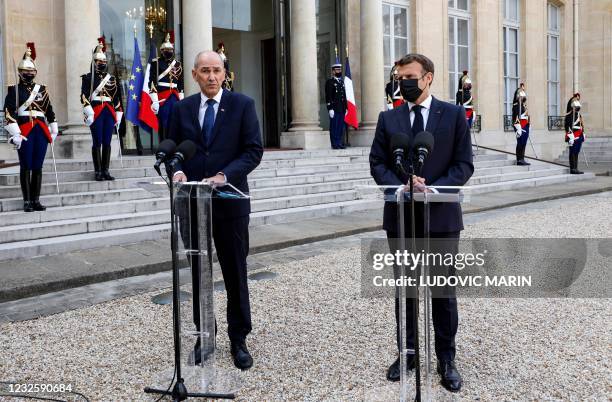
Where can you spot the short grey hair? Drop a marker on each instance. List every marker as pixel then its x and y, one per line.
pixel 197 56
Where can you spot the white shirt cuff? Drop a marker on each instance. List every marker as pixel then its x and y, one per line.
pixel 177 172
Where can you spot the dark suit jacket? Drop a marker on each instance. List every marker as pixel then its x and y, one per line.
pixel 234 147
pixel 450 163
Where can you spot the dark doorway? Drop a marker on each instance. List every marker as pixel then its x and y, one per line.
pixel 270 93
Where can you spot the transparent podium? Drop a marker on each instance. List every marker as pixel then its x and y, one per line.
pixel 194 320
pixel 421 387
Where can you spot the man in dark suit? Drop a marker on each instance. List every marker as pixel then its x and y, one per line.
pixel 225 128
pixel 450 164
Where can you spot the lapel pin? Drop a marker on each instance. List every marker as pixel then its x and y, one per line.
pixel 223 110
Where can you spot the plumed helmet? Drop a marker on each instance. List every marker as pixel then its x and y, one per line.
pixel 27 62
pixel 100 49
pixel 168 42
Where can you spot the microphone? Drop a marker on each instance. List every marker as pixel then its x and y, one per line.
pixel 423 146
pixel 164 151
pixel 184 152
pixel 400 146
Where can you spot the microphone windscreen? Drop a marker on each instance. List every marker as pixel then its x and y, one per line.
pixel 401 141
pixel 167 147
pixel 424 139
pixel 188 149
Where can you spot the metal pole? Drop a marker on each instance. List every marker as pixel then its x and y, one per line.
pixel 119 140
pixel 532 147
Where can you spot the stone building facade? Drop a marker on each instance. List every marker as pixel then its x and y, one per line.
pixel 280 51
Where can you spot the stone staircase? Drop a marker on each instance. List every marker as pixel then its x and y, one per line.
pixel 288 186
pixel 598 150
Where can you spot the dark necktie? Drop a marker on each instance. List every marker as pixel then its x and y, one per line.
pixel 209 120
pixel 417 124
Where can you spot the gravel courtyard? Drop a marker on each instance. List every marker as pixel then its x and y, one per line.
pixel 315 338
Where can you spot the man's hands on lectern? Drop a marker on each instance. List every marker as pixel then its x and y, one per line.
pixel 218 179
pixel 419 185
pixel 179 177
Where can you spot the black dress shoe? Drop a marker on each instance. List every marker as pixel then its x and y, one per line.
pixel 241 355
pixel 393 373
pixel 451 379
pixel 522 162
pixel 27 206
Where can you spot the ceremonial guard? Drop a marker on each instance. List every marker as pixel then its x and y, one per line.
pixel 166 83
pixel 229 75
pixel 101 99
pixel 32 126
pixel 335 97
pixel 464 97
pixel 392 90
pixel 574 131
pixel 520 122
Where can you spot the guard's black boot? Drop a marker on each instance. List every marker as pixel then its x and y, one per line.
pixel 241 355
pixel 25 177
pixel 95 156
pixel 106 152
pixel 574 164
pixel 35 186
pixel 520 156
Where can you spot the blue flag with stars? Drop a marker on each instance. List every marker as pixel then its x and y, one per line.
pixel 134 87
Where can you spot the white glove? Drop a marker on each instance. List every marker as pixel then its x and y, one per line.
pixel 181 95
pixel 331 114
pixel 155 104
pixel 518 129
pixel 54 131
pixel 389 106
pixel 119 117
pixel 571 140
pixel 88 113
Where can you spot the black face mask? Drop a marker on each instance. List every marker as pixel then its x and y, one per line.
pixel 28 78
pixel 101 68
pixel 168 55
pixel 577 108
pixel 338 75
pixel 409 88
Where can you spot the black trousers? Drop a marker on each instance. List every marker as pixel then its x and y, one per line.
pixel 443 303
pixel 231 238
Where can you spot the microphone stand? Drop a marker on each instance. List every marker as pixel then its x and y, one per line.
pixel 179 391
pixel 415 303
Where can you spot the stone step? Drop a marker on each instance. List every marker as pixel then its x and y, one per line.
pixel 308 179
pixel 64 244
pixel 500 170
pixel 83 211
pixel 38 230
pixel 528 174
pixel 531 182
pixel 286 191
pixel 93 197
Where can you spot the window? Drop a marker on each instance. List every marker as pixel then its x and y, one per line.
pixel 511 52
pixel 395 35
pixel 553 60
pixel 459 41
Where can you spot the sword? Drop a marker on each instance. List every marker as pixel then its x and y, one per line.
pixel 532 147
pixel 586 161
pixel 55 168
pixel 119 140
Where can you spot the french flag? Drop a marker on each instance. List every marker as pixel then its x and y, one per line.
pixel 350 117
pixel 145 113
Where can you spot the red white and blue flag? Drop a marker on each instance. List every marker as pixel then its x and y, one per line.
pixel 350 117
pixel 145 113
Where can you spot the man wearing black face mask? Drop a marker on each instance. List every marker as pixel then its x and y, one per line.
pixel 335 98
pixel 102 110
pixel 449 164
pixel 166 83
pixel 574 131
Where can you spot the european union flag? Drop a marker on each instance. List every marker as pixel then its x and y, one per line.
pixel 135 87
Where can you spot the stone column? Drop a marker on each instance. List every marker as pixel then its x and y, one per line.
pixel 197 36
pixel 305 131
pixel 372 68
pixel 82 29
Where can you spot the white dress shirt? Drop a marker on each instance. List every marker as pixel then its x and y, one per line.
pixel 204 105
pixel 426 104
